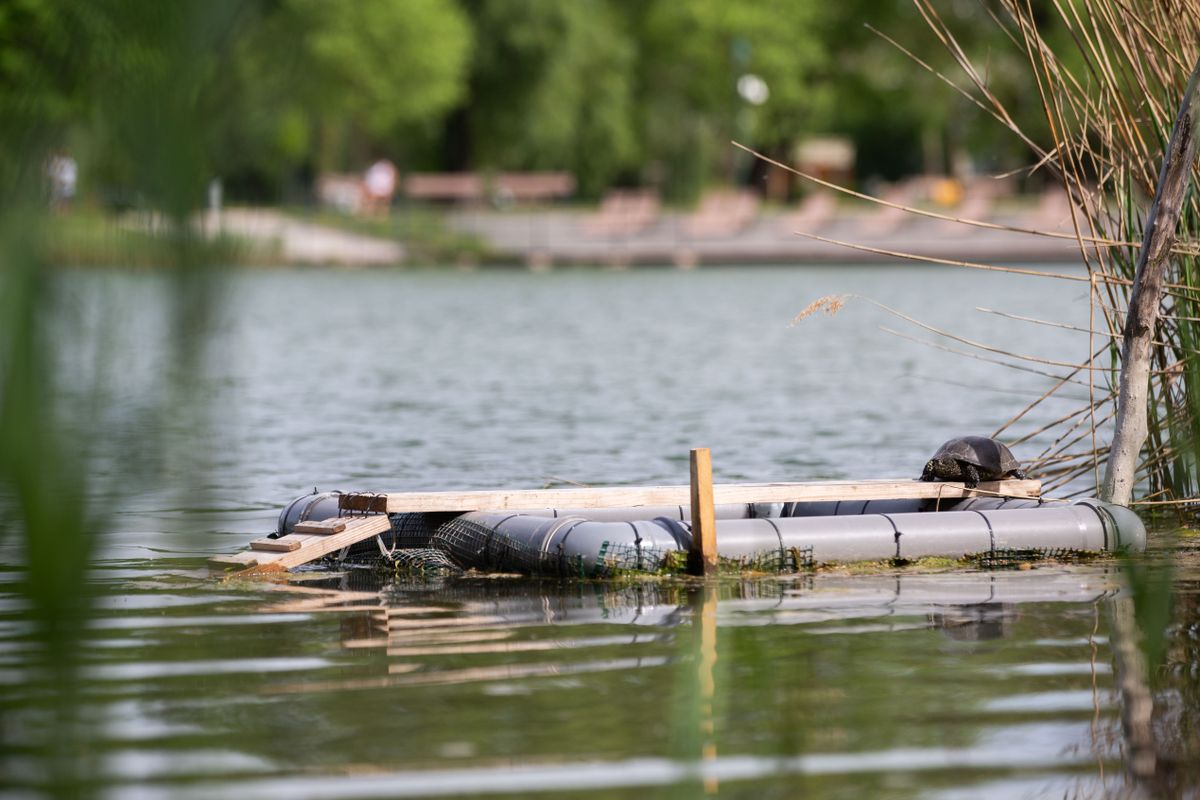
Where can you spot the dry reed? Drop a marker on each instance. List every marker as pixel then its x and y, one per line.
pixel 1109 99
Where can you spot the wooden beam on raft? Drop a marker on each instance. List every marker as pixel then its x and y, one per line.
pixel 702 559
pixel 303 547
pixel 618 496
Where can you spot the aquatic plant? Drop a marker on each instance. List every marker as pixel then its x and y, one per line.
pixel 75 429
pixel 1110 102
pixel 1109 90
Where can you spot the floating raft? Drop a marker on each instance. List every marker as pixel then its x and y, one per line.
pixel 586 530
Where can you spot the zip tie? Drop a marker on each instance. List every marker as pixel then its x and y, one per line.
pixel 991 533
pixel 779 534
pixel 896 531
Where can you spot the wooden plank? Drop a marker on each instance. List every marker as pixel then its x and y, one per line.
pixel 284 544
pixel 311 547
pixel 617 496
pixel 321 526
pixel 357 529
pixel 233 561
pixel 243 563
pixel 702 560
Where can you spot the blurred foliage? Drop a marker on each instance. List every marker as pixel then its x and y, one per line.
pixel 89 238
pixel 138 93
pixel 549 89
pixel 902 116
pixel 379 63
pixel 272 93
pixel 427 239
pixel 692 56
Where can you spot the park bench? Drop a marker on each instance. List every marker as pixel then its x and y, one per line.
pixel 623 212
pixel 722 212
pixel 502 187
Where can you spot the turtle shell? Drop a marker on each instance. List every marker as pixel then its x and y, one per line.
pixel 987 454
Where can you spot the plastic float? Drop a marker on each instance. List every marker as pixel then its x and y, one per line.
pixel 572 543
pixel 596 532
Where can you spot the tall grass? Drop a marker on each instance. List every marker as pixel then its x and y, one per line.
pixel 1110 92
pixel 131 74
pixel 1109 100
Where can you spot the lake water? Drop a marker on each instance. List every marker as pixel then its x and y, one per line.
pixel 346 685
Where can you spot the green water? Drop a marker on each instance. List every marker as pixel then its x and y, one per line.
pixel 354 684
pixel 962 685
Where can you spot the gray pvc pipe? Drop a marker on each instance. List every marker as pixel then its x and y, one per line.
pixel 1091 526
pixel 540 541
pixel 544 541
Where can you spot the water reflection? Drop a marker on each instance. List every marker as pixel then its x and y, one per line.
pixel 946 599
pixel 482 686
pixel 704 602
pixel 975 623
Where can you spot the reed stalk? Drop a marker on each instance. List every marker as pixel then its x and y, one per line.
pixel 1109 98
pixel 1110 102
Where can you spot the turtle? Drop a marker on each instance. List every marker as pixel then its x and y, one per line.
pixel 972 459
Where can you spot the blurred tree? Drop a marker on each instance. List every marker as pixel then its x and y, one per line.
pixel 159 80
pixel 297 84
pixel 550 88
pixel 615 91
pixel 904 119
pixel 39 84
pixel 692 55
pixel 327 86
pixel 372 65
pixel 136 82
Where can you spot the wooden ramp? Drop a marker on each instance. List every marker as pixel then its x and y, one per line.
pixel 313 540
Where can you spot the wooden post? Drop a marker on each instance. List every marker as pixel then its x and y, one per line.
pixel 702 560
pixel 1129 433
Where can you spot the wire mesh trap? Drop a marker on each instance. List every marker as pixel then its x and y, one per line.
pixel 476 546
pixel 1013 558
pixel 615 560
pixel 422 561
pixel 415 529
pixel 424 545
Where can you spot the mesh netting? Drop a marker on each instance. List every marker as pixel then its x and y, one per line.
pixel 423 560
pixel 477 546
pixel 409 531
pixel 414 530
pixel 1013 558
pixel 793 559
pixel 613 560
pixel 617 559
pixel 466 542
pixel 471 544
pixel 444 544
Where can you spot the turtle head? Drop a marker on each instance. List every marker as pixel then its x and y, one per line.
pixel 944 468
